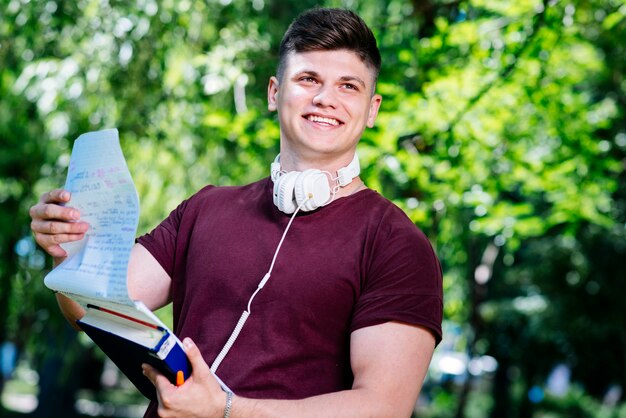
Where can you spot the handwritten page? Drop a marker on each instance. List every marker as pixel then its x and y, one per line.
pixel 103 191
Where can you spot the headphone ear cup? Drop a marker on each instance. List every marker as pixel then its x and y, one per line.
pixel 284 192
pixel 314 183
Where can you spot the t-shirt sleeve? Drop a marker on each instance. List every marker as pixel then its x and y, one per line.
pixel 403 280
pixel 161 241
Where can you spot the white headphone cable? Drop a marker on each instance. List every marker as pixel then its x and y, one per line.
pixel 263 282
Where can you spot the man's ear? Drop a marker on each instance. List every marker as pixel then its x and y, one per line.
pixel 373 111
pixel 272 94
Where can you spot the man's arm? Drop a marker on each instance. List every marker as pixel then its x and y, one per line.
pixel 147 280
pixel 53 224
pixel 389 362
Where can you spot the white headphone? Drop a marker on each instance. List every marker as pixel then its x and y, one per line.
pixel 311 187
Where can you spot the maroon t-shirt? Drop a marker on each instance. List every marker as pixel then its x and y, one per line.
pixel 354 263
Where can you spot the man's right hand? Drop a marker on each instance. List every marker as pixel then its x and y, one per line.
pixel 54 224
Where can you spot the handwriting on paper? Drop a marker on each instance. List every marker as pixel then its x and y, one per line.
pixel 103 191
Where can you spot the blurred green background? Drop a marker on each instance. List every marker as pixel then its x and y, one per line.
pixel 502 135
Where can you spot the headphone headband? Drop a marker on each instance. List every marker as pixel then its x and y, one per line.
pixel 345 175
pixel 310 188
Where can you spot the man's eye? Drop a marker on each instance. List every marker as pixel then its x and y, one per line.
pixel 307 79
pixel 350 86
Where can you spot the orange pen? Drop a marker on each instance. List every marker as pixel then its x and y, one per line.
pixel 180 378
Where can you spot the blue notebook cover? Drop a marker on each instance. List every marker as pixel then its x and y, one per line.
pixel 128 357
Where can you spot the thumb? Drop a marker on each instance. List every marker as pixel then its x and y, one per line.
pixel 199 366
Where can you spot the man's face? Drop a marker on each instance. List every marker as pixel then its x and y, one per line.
pixel 324 103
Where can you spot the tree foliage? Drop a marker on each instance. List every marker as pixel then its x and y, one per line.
pixel 502 136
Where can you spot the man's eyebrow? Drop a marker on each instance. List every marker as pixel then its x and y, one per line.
pixel 353 78
pixel 307 72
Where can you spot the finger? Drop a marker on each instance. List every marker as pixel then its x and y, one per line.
pixel 200 368
pixel 59 228
pixel 55 251
pixel 159 381
pixel 50 243
pixel 149 372
pixel 47 211
pixel 56 196
pixel 49 235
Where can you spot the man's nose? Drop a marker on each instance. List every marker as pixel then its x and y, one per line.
pixel 325 97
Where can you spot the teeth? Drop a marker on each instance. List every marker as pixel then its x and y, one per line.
pixel 320 119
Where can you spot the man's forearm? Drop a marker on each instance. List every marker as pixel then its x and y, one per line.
pixel 348 403
pixel 70 309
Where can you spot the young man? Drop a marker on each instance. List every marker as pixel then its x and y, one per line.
pixel 344 312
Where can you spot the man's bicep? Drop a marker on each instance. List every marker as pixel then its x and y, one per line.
pixel 147 280
pixel 391 361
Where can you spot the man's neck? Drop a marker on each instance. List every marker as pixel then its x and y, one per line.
pixel 355 186
pixel 290 161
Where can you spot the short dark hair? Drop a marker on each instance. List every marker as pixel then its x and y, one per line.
pixel 325 29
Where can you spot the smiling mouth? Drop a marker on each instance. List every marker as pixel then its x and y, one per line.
pixel 323 120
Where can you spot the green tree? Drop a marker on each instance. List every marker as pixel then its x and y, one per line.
pixel 506 147
pixel 502 136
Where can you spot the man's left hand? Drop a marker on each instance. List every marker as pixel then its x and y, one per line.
pixel 200 395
